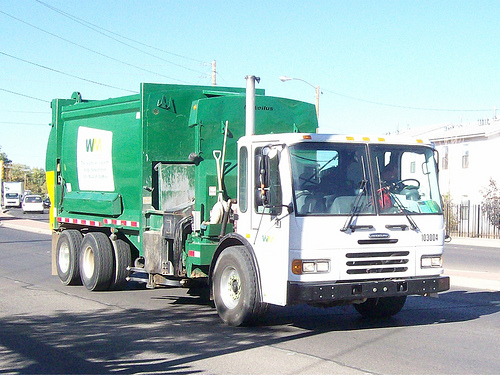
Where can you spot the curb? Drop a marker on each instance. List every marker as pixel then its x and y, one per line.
pixel 473 279
pixel 26 227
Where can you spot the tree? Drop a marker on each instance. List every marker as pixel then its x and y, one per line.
pixel 491 202
pixel 450 215
pixel 33 178
pixel 3 156
pixel 37 182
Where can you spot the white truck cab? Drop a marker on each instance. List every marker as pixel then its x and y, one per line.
pixel 339 219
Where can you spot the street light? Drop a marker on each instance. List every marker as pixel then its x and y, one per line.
pixel 286 78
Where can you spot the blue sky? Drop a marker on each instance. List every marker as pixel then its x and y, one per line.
pixel 382 66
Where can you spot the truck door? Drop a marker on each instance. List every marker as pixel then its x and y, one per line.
pixel 270 220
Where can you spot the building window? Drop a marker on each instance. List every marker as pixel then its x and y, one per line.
pixel 465 158
pixel 444 161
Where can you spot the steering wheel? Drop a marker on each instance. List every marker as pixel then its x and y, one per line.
pixel 403 184
pixel 308 183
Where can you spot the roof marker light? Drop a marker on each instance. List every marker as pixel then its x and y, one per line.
pixel 306 137
pixel 350 138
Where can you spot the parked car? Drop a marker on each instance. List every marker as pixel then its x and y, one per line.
pixel 32 203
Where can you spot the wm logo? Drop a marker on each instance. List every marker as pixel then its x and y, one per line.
pixel 93 145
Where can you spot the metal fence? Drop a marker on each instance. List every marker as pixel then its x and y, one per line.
pixel 469 220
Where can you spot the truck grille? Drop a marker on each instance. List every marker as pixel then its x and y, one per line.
pixel 377 262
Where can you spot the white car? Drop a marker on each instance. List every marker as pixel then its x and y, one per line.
pixel 32 203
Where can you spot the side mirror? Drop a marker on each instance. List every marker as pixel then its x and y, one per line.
pixel 269 194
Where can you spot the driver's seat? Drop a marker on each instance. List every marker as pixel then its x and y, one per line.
pixel 313 204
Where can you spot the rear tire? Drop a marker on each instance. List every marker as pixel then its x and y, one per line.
pixel 383 307
pixel 235 288
pixel 67 257
pixel 96 261
pixel 123 259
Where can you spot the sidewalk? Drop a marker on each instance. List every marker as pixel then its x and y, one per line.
pixel 9 221
pixel 486 242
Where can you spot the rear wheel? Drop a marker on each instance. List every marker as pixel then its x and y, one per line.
pixel 96 261
pixel 235 288
pixel 67 257
pixel 123 259
pixel 381 307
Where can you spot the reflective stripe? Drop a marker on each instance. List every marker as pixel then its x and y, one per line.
pixel 125 223
pixel 68 220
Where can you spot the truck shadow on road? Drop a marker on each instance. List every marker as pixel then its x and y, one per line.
pixel 454 306
pixel 186 330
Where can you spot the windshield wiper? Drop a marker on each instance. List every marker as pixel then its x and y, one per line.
pixel 400 205
pixel 356 209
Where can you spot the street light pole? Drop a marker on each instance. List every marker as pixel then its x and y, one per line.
pixel 316 88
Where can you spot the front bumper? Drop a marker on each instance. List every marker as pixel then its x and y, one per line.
pixel 301 292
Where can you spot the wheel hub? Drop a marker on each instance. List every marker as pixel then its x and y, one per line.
pixel 64 258
pixel 234 285
pixel 230 287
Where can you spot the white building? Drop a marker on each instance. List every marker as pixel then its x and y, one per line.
pixel 468 157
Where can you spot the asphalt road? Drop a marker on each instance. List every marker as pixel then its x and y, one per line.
pixel 49 328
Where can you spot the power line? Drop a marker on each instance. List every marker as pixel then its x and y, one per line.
pixel 32 112
pixel 22 123
pixel 89 49
pixel 405 107
pixel 26 96
pixel 98 29
pixel 63 73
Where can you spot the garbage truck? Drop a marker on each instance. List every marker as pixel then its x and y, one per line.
pixel 235 190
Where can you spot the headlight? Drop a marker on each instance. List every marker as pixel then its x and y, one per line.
pixel 431 261
pixel 301 266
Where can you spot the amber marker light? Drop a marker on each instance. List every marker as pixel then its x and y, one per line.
pixel 297 267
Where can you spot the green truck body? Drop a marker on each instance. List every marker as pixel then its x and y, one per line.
pixel 136 165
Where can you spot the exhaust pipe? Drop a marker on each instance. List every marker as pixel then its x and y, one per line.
pixel 250 105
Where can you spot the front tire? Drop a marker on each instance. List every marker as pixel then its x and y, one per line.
pixel 67 256
pixel 383 307
pixel 96 261
pixel 235 288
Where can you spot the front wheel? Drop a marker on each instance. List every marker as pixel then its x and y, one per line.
pixel 235 288
pixel 383 307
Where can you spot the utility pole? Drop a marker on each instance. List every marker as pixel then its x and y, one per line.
pixel 316 90
pixel 214 73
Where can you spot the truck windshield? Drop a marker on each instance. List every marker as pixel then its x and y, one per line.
pixel 357 179
pixel 405 179
pixel 331 179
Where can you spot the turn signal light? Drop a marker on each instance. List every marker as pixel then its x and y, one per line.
pixel 297 267
pixel 300 266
